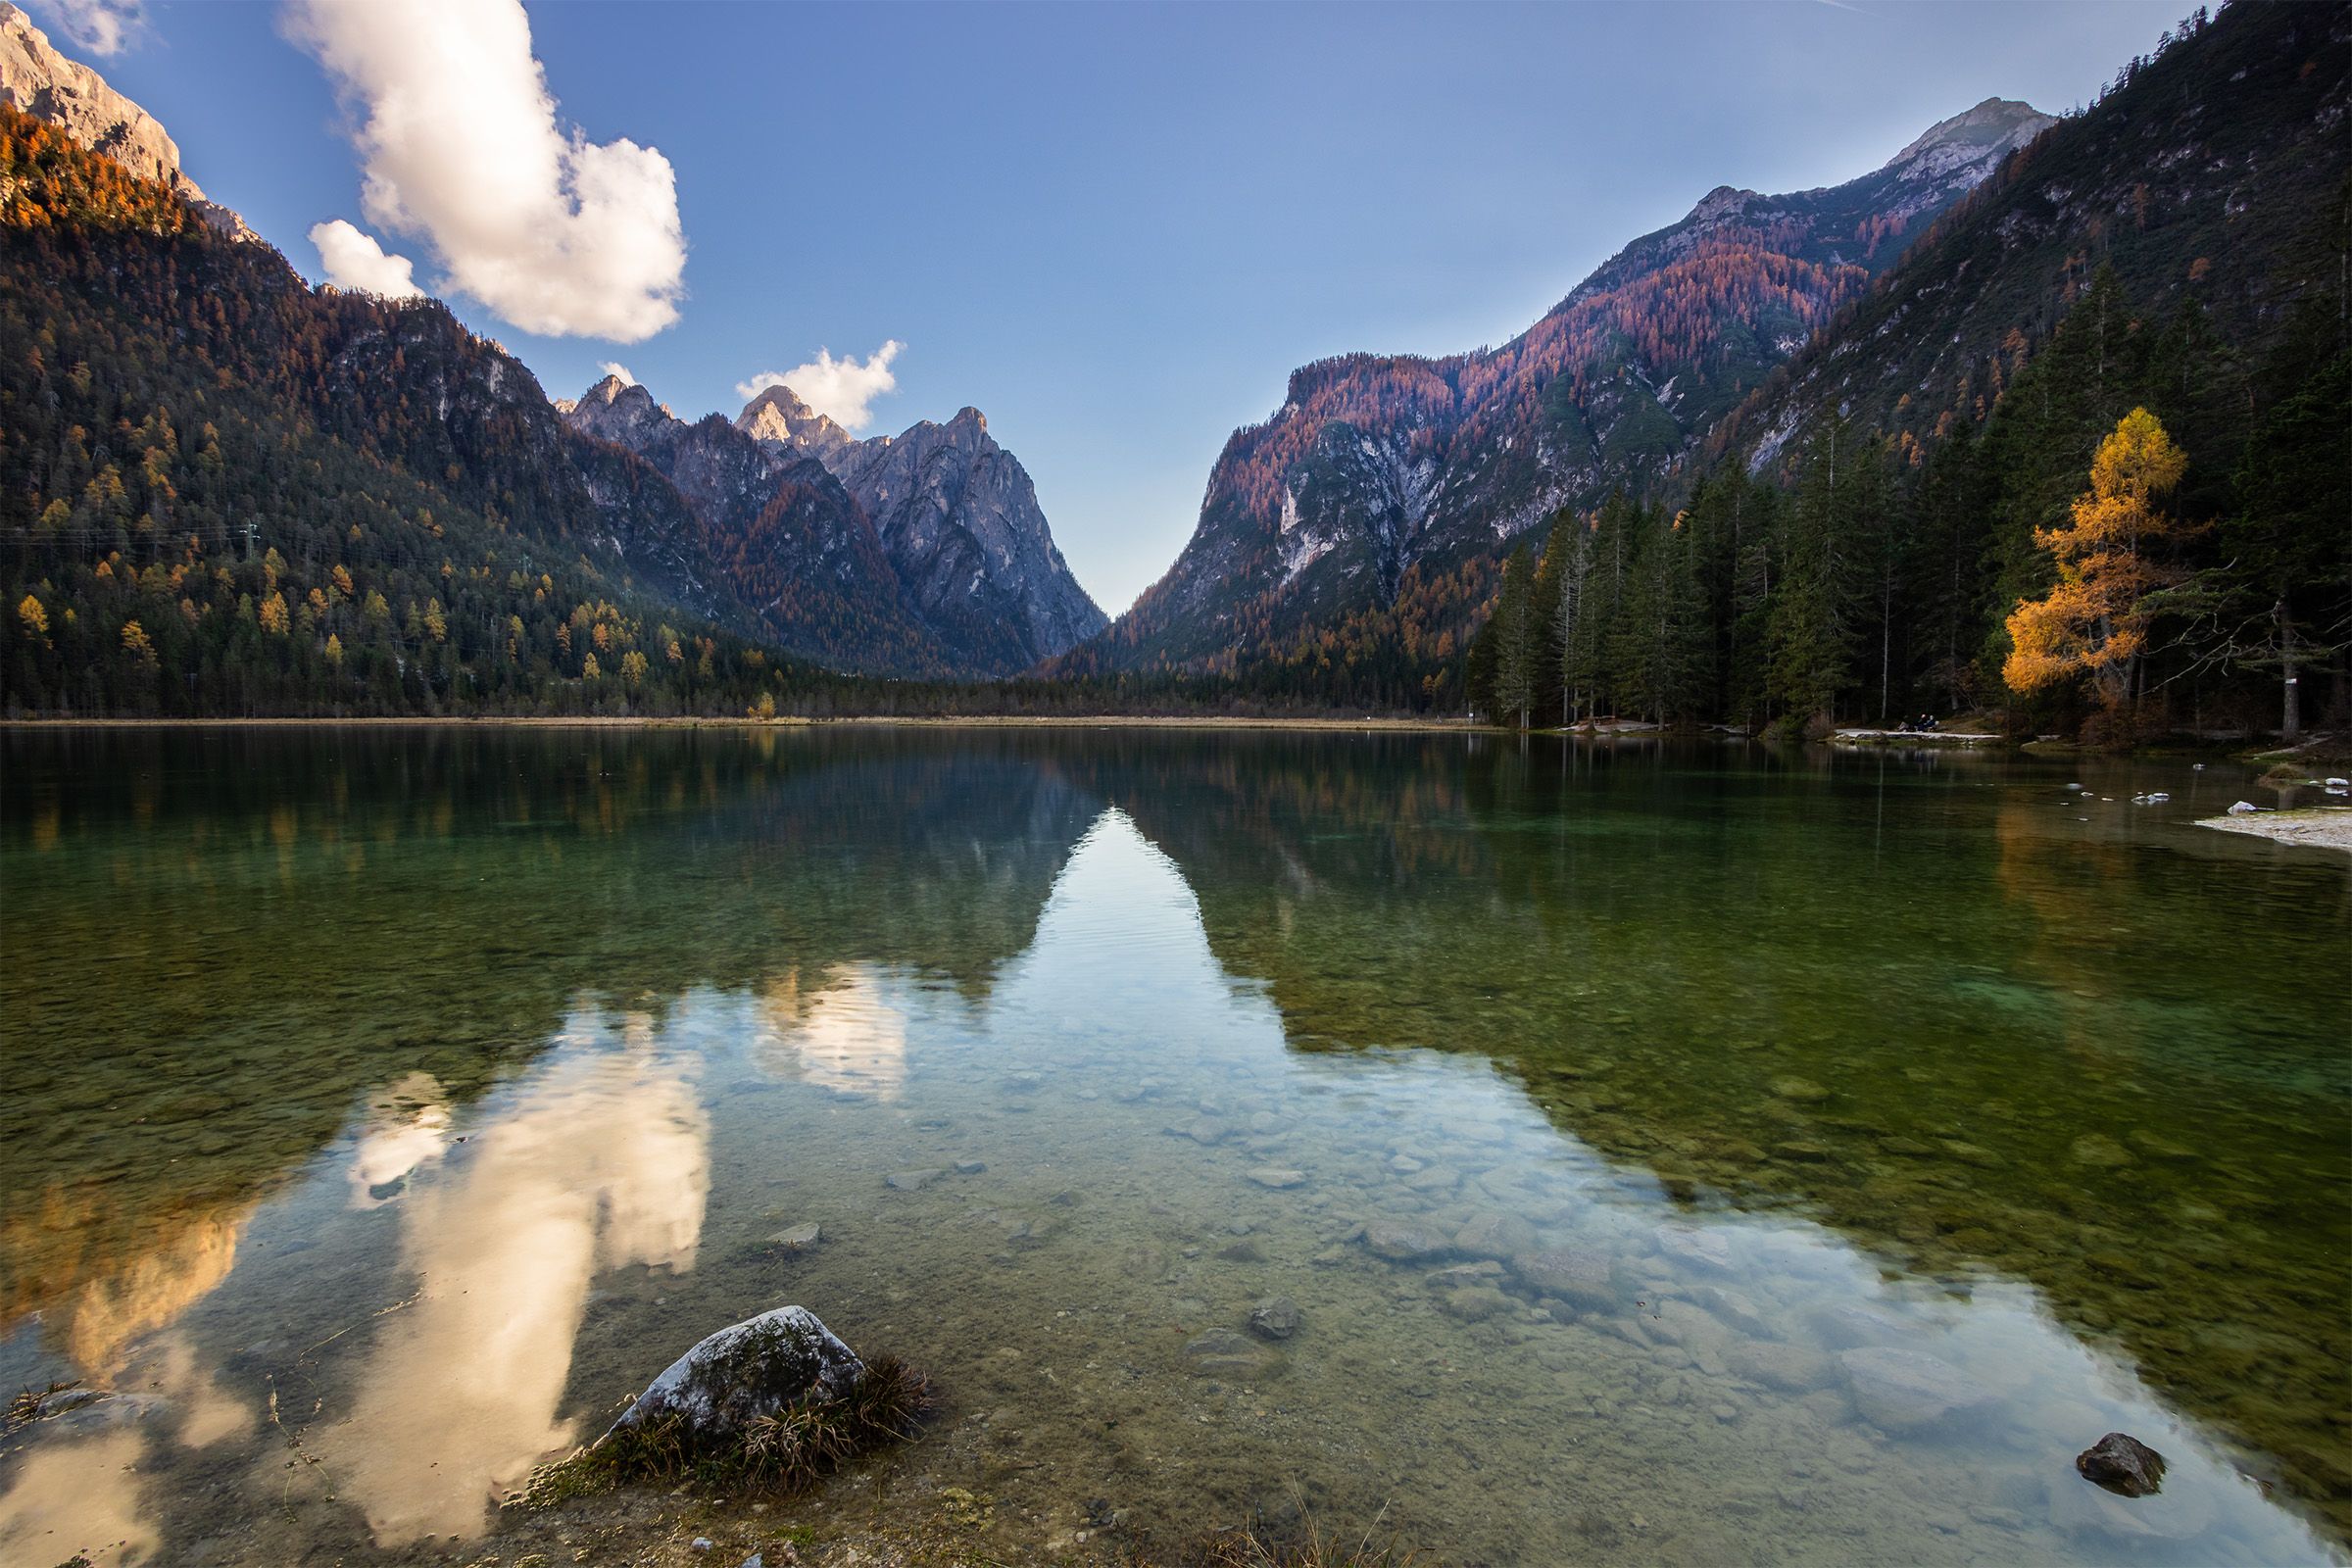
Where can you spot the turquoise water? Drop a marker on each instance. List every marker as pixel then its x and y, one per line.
pixel 1675 1153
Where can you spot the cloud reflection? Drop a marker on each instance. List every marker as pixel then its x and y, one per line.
pixel 602 1161
pixel 842 1034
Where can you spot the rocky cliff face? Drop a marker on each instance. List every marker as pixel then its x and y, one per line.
pixel 1375 465
pixel 959 519
pixel 37 80
pixel 794 545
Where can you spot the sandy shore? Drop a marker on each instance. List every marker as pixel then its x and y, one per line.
pixel 2326 827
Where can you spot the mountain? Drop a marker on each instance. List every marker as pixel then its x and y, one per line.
pixel 795 546
pixel 960 518
pixel 924 554
pixel 223 491
pixel 2197 175
pixel 37 80
pixel 1380 473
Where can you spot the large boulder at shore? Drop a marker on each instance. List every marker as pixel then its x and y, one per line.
pixel 760 1367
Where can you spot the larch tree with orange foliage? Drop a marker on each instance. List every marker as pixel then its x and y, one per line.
pixel 2095 620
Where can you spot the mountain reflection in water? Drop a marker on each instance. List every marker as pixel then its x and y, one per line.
pixel 467 1079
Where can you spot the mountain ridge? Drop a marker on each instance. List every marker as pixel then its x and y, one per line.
pixel 1376 465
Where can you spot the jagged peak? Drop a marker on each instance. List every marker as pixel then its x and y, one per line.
pixel 783 400
pixel 612 389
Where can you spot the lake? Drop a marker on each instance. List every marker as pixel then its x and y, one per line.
pixel 1674 1153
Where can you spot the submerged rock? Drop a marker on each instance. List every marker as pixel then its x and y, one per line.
pixel 1705 1248
pixel 797 1238
pixel 1903 1390
pixel 1581 1277
pixel 1474 1303
pixel 755 1368
pixel 1790 1368
pixel 2123 1465
pixel 1276 1177
pixel 1400 1242
pixel 913 1181
pixel 1224 1354
pixel 1274 1318
pixel 1491 1234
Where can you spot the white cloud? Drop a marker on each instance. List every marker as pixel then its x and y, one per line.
pixel 102 26
pixel 840 389
pixel 615 368
pixel 459 137
pixel 355 261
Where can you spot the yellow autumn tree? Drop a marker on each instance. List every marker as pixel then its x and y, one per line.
pixel 36 620
pixel 2094 621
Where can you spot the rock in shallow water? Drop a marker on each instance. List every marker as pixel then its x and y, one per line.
pixel 1400 1242
pixel 1491 1234
pixel 1223 1353
pixel 1583 1278
pixel 1902 1391
pixel 2123 1465
pixel 1274 1318
pixel 750 1369
pixel 1790 1368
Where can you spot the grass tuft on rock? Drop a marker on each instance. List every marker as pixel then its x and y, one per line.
pixel 778 1454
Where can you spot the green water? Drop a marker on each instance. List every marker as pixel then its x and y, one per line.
pixel 380 1107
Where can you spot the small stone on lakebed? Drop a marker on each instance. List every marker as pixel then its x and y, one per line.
pixel 913 1181
pixel 1274 1318
pixel 797 1237
pixel 2123 1465
pixel 1273 1176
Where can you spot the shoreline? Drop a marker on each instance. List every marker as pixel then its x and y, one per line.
pixel 2317 827
pixel 876 720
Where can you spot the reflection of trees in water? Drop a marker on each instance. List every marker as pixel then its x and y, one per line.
pixel 222 941
pixel 1653 941
pixel 2034 1053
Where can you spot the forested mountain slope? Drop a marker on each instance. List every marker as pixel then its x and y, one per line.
pixel 221 491
pixel 2195 176
pixel 2084 455
pixel 1382 476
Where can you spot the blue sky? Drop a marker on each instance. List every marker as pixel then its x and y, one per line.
pixel 1116 228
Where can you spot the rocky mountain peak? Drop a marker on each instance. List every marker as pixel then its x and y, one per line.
pixel 617 411
pixel 36 80
pixel 1970 145
pixel 777 418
